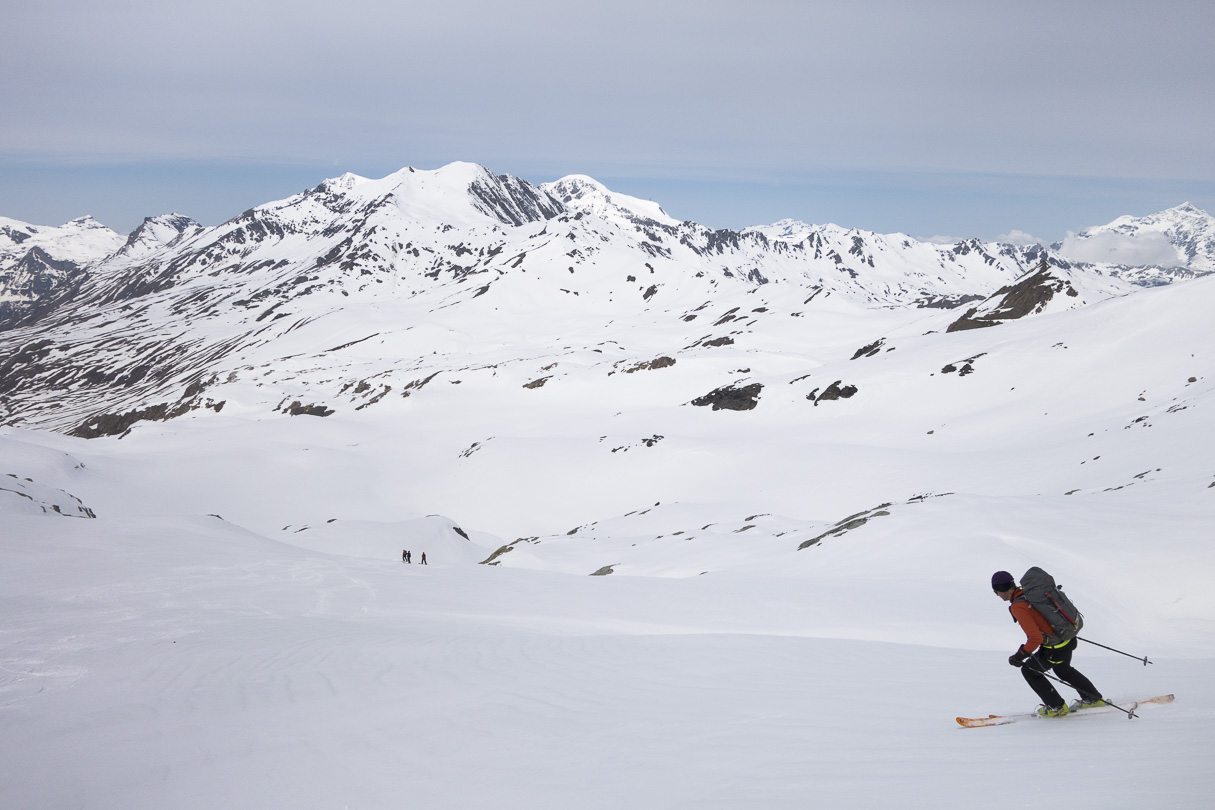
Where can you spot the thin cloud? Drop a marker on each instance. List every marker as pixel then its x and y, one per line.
pixel 1016 237
pixel 1152 248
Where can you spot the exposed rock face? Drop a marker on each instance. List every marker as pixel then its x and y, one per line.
pixel 946 302
pixel 721 341
pixel 835 391
pixel 512 200
pixel 492 559
pixel 846 525
pixel 114 424
pixel 661 362
pixel 968 366
pixel 1028 296
pixel 296 409
pixel 731 398
pixel 870 350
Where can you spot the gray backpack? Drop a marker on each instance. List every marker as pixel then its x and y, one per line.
pixel 1049 599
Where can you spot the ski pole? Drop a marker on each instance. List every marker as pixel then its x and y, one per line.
pixel 1130 713
pixel 1120 652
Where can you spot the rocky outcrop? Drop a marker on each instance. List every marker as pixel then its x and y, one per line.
pixel 115 424
pixel 833 392
pixel 870 349
pixel 732 398
pixel 846 525
pixel 1028 296
pixel 513 201
pixel 297 409
pixel 660 362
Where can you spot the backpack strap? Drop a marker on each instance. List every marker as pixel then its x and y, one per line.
pixel 1014 600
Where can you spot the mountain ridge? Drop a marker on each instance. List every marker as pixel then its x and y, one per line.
pixel 459 193
pixel 179 313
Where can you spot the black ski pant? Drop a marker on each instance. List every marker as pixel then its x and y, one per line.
pixel 1058 659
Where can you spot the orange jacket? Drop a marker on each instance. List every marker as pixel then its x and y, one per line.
pixel 1035 625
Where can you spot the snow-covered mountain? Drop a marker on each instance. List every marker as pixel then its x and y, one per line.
pixel 39 265
pixel 1178 243
pixel 710 515
pixel 82 241
pixel 146 326
pixel 156 233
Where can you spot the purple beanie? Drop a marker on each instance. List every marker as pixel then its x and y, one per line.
pixel 1001 578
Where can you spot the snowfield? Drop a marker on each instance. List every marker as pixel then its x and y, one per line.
pixel 183 662
pixel 791 604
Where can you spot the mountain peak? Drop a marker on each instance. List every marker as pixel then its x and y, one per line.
pixel 154 232
pixel 583 193
pixel 456 194
pixel 1179 237
pixel 345 182
pixel 85 222
pixel 580 183
pixel 1187 211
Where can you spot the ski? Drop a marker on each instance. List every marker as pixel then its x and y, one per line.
pixel 1004 719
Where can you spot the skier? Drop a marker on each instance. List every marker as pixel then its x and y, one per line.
pixel 404 555
pixel 1058 658
pixel 423 558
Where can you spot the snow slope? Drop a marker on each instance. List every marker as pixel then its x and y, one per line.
pixel 156 655
pixel 793 529
pixel 182 661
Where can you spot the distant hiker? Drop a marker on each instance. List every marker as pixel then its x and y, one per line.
pixel 409 557
pixel 1051 653
pixel 404 555
pixel 423 558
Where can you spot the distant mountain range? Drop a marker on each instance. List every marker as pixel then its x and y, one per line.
pixel 99 331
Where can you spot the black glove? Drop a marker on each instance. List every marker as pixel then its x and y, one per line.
pixel 1018 658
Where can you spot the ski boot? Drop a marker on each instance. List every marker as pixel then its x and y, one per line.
pixel 1080 703
pixel 1047 711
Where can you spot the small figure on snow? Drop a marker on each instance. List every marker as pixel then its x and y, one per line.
pixel 404 556
pixel 423 558
pixel 1052 652
pixel 409 557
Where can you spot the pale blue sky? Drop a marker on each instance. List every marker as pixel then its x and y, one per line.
pixel 935 118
